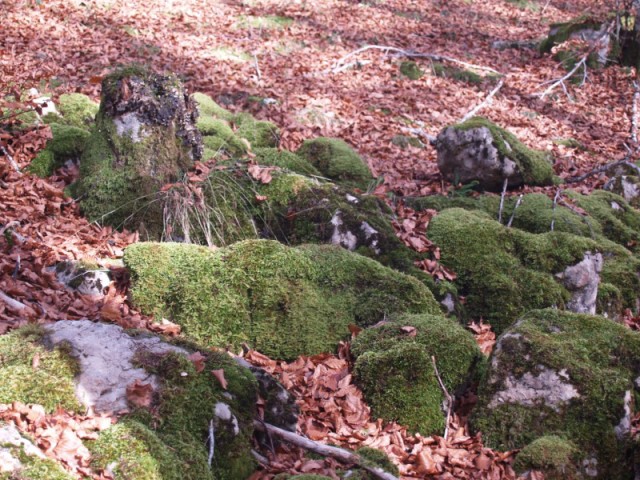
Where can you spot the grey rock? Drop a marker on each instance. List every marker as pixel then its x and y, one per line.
pixel 78 277
pixel 468 155
pixel 582 281
pixel 11 437
pixel 105 353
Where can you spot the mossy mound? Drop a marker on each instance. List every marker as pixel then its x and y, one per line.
pixel 218 136
pixel 77 110
pixel 172 443
pixel 286 160
pixel 394 369
pixel 561 32
pixel 259 133
pixel 260 291
pixel 568 375
pixel 67 143
pixel 411 70
pixel 532 167
pixel 50 385
pixel 504 272
pixel 208 107
pixel 552 455
pixel 336 160
pixel 462 75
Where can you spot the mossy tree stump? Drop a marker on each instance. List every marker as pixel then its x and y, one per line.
pixel 145 136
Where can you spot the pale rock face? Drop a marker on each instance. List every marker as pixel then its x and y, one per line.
pixel 129 124
pixel 624 427
pixel 582 281
pixel 105 353
pixel 87 282
pixel 342 237
pixel 467 155
pixel 10 437
pixel 547 386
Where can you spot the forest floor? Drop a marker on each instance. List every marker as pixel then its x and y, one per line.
pixel 240 52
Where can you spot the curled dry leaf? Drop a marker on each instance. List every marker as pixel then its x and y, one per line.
pixel 198 361
pixel 219 374
pixel 140 394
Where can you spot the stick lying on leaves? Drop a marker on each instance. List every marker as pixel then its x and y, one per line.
pixel 340 454
pixel 625 161
pixel 340 65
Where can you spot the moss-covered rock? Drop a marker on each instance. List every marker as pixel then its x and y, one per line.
pixel 50 385
pixel 411 70
pixel 504 272
pixel 393 367
pixel 208 107
pixel 552 455
pixel 261 291
pixel 479 150
pixel 336 160
pixel 260 134
pixel 144 137
pixel 77 110
pixel 285 159
pixel 218 136
pixel 67 143
pixel 568 375
pixel 583 27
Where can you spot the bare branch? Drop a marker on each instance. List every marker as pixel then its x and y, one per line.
pixel 634 113
pixel 513 214
pixel 12 303
pixel 560 81
pixel 504 192
pixel 338 66
pixel 486 102
pixel 447 396
pixel 625 161
pixel 10 158
pixel 553 210
pixel 340 454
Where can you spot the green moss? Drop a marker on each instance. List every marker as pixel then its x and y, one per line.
pixel 534 165
pixel 596 356
pixel 308 476
pixel 77 110
pixel 504 271
pixel 259 133
pixel 336 160
pixel 622 272
pixel 563 31
pixel 35 468
pixel 284 159
pixel 609 302
pixel 569 143
pixel 43 164
pixel 394 369
pixel 260 291
pixel 552 455
pixel 219 137
pixel 411 70
pixel 50 384
pixel 377 459
pixel 132 451
pixel 67 142
pixel 467 76
pixel 209 107
pixel 403 141
pixel 619 221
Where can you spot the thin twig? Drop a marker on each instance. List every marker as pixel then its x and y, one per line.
pixel 560 81
pixel 339 64
pixel 446 394
pixel 504 192
pixel 340 454
pixel 486 102
pixel 16 269
pixel 513 214
pixel 12 303
pixel 212 442
pixel 255 64
pixel 10 158
pixel 625 161
pixel 546 5
pixel 634 114
pixel 553 210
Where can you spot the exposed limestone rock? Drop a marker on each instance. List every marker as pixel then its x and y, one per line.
pixel 10 437
pixel 478 150
pixel 86 279
pixel 106 356
pixel 582 281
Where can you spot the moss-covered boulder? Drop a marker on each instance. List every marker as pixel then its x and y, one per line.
pixel 480 151
pixel 77 110
pixel 592 31
pixel 84 364
pixel 144 137
pixel 551 455
pixel 627 186
pixel 285 160
pixel 503 272
pixel 394 368
pixel 337 161
pixel 411 70
pixel 67 143
pixel 261 291
pixel 568 375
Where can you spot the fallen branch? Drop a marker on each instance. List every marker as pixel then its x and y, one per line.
pixel 447 396
pixel 10 158
pixel 634 114
pixel 504 192
pixel 560 81
pixel 12 303
pixel 338 66
pixel 486 102
pixel 553 210
pixel 340 454
pixel 625 161
pixel 517 44
pixel 513 214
